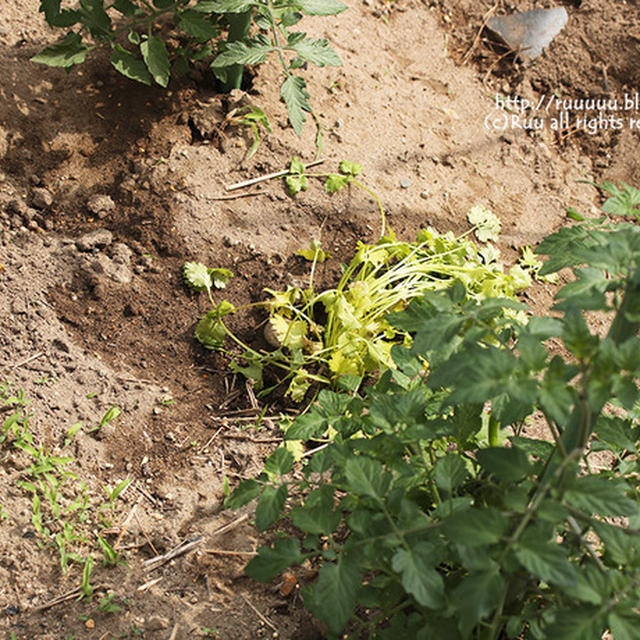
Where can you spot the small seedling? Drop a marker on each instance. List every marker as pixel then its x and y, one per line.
pixel 108 604
pixel 111 414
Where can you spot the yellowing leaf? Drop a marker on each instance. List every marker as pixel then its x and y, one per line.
pixel 487 224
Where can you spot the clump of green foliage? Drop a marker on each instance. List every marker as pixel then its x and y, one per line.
pixel 150 40
pixel 339 336
pixel 421 524
pixel 61 503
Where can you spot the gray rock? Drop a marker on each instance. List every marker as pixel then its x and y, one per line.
pixel 100 205
pixel 121 253
pixel 405 183
pixel 156 623
pixel 529 32
pixel 104 266
pixel 41 198
pixel 17 206
pixel 93 240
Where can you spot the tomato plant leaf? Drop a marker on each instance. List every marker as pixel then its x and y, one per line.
pixel 601 496
pixel 195 25
pixel 155 56
pixel 65 53
pixel 366 476
pixel 318 52
pixel 586 623
pixel 223 6
pixel 419 578
pixel 130 66
pixel 333 597
pixel 475 598
pixel 279 463
pixel 320 7
pixel 240 52
pixel 127 8
pixel 507 464
pixel 296 99
pixel 450 472
pixel 271 561
pixel 476 527
pixel 547 560
pixel 245 492
pixel 624 626
pixel 270 505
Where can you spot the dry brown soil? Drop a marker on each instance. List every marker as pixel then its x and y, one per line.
pixel 94 313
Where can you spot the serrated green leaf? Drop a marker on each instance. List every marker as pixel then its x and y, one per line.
pixel 476 527
pixel 367 477
pixel 419 577
pixel 335 182
pixel 317 515
pixel 240 52
pixel 624 201
pixel 318 52
pixel 624 626
pixel 197 276
pixel 545 560
pixel 584 623
pixel 126 8
pixel 57 18
pixel 220 277
pixel 271 561
pixel 279 463
pixel 245 492
pixel 352 169
pixel 476 597
pixel 602 496
pixel 130 66
pixel 270 505
pixel 508 464
pixel 296 183
pixel 223 6
pixel 320 7
pixel 65 53
pixel 198 27
pixel 620 547
pixel 155 56
pixel 333 597
pixel 450 472
pixel 252 371
pixel 95 18
pixel 296 99
pixel 210 331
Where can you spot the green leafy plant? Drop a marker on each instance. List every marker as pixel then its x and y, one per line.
pixel 420 524
pixel 340 335
pixel 151 39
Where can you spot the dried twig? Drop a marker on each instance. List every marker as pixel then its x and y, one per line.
pixel 260 615
pixel 474 44
pixel 225 552
pixel 184 547
pixel 277 174
pixel 235 196
pixel 232 525
pixel 174 633
pixel 29 359
pixel 148 585
pixel 70 595
pixel 144 533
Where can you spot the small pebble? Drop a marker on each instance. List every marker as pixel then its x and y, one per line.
pixel 405 183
